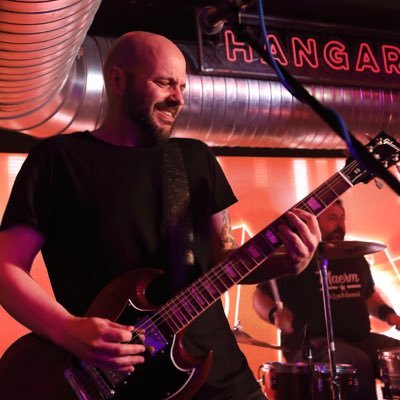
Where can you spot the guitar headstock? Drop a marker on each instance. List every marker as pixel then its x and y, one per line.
pixel 383 148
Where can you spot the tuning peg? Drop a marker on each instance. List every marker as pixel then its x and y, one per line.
pixel 379 184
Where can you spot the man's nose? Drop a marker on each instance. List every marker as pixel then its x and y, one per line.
pixel 177 96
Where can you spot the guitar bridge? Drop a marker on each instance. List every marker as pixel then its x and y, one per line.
pixel 88 381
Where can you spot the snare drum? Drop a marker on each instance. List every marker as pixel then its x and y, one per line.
pixel 298 381
pixel 389 368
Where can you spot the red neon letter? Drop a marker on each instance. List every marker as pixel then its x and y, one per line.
pixel 305 52
pixel 233 47
pixel 276 50
pixel 366 59
pixel 335 55
pixel 391 59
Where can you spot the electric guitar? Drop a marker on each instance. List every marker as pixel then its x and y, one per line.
pixel 35 369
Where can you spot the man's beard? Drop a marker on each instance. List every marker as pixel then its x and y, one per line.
pixel 152 132
pixel 337 234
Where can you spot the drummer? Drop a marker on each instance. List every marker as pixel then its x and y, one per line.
pixel 296 308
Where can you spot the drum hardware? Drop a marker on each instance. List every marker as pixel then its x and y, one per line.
pixel 389 368
pixel 322 263
pixel 244 338
pixel 335 250
pixel 340 249
pixel 299 381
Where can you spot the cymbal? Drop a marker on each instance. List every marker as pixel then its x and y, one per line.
pixel 339 249
pixel 245 338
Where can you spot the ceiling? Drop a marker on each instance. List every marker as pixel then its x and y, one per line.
pixel 175 18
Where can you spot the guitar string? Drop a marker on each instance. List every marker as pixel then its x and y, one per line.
pixel 215 274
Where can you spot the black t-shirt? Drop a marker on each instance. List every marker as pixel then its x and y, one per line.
pixel 350 285
pixel 101 210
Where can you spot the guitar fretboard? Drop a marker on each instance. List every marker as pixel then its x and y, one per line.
pixel 188 304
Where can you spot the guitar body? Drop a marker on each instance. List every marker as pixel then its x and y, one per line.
pixel 34 369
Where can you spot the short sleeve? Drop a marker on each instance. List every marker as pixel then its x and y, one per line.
pixel 223 195
pixel 30 199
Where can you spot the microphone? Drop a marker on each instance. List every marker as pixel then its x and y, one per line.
pixel 212 18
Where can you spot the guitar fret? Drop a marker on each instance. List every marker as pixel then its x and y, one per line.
pixel 197 307
pixel 179 314
pixel 244 258
pixel 239 262
pixel 168 318
pixel 340 187
pixel 218 281
pixel 206 288
pixel 232 271
pixel 314 204
pixel 211 289
pixel 198 297
pixel 272 240
pixel 262 244
pixel 254 251
pixel 187 307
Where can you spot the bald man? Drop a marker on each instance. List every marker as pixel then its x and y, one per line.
pixel 96 205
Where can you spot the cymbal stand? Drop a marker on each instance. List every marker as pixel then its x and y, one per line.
pixel 322 263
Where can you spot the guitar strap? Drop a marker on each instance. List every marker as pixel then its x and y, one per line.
pixel 178 219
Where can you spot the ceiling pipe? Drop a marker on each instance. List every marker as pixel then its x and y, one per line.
pixel 51 83
pixel 252 113
pixel 39 44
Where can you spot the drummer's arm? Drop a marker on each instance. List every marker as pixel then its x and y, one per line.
pixel 271 311
pixel 264 305
pixel 378 308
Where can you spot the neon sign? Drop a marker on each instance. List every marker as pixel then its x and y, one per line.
pixel 327 54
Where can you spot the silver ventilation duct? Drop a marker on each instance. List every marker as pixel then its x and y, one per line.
pixel 253 113
pixel 51 83
pixel 39 67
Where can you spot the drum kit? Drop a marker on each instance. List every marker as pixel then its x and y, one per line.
pixel 315 381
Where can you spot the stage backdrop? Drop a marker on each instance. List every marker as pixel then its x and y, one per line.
pixel 266 188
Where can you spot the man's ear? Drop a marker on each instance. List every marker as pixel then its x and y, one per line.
pixel 117 80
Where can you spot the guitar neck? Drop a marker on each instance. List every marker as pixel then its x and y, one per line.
pixel 201 294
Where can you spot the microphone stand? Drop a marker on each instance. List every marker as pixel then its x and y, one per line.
pixel 322 264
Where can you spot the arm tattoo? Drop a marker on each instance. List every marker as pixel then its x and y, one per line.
pixel 227 240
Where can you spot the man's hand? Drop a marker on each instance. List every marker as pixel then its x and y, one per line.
pixel 301 236
pixel 102 343
pixel 394 320
pixel 284 320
